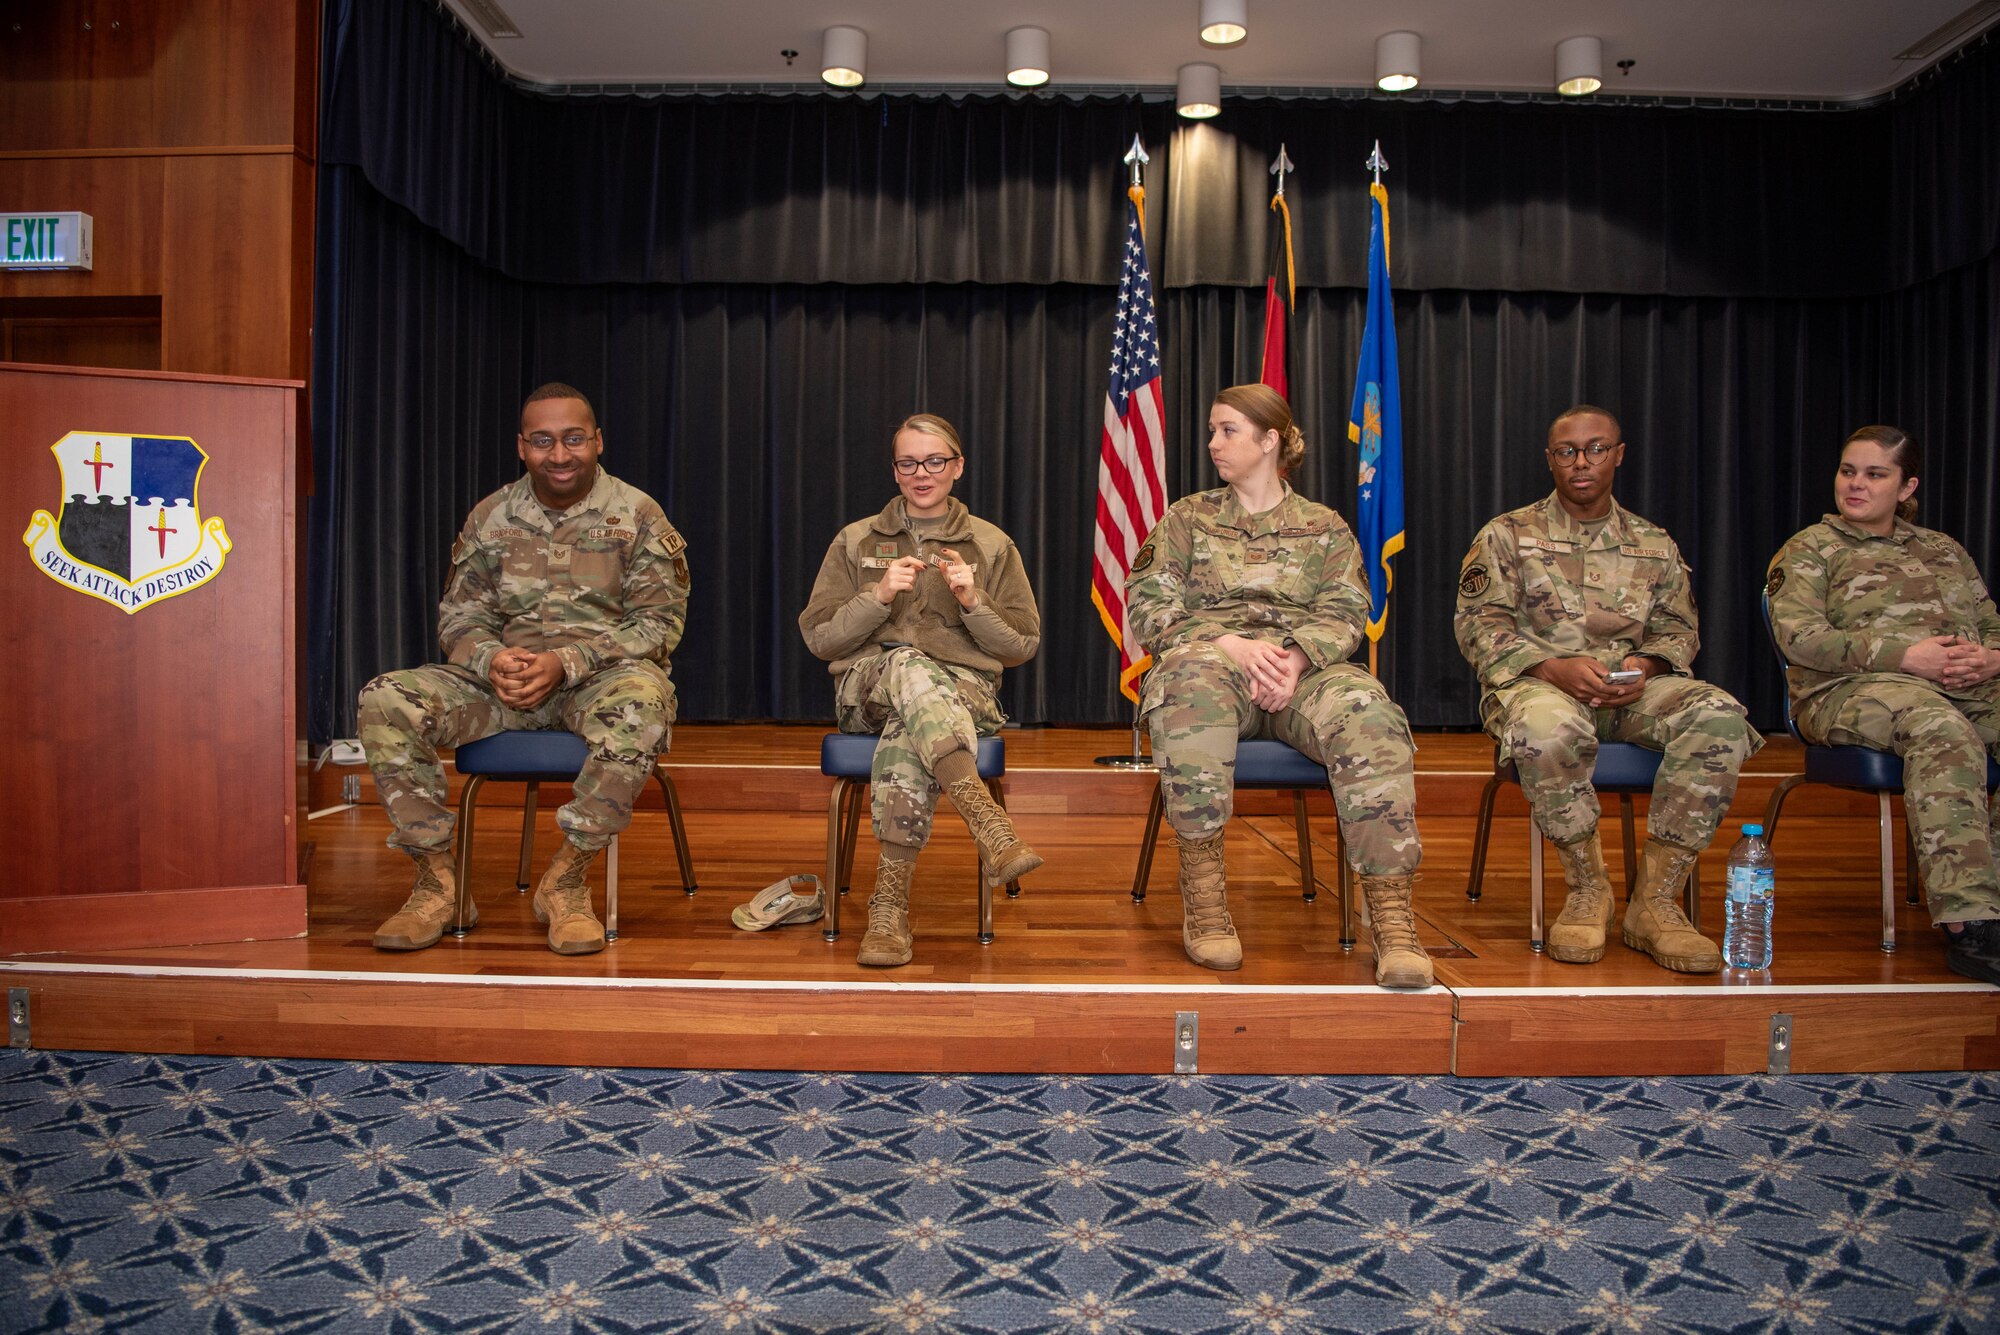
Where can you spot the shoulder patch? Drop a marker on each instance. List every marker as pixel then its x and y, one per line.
pixel 1473 581
pixel 675 543
pixel 1144 560
pixel 1775 582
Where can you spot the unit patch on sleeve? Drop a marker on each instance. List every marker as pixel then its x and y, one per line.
pixel 1775 582
pixel 1473 581
pixel 1144 560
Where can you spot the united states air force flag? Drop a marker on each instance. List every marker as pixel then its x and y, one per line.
pixel 1375 422
pixel 128 529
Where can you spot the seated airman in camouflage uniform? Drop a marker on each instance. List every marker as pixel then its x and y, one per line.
pixel 916 610
pixel 1250 599
pixel 1894 643
pixel 568 591
pixel 1552 599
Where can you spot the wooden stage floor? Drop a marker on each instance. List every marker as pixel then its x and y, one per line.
pixel 1079 977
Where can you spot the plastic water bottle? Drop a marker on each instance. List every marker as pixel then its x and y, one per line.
pixel 1753 884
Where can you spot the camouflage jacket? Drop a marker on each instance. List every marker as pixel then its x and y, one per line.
pixel 1291 574
pixel 1534 588
pixel 607 581
pixel 845 621
pixel 1845 601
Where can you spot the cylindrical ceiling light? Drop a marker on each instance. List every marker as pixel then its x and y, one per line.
pixel 1027 57
pixel 1224 22
pixel 1199 92
pixel 1579 66
pixel 1397 61
pixel 844 57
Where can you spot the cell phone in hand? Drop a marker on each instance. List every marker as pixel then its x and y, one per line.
pixel 1624 675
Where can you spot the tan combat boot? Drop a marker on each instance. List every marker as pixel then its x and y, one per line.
pixel 1400 960
pixel 1206 932
pixel 887 942
pixel 427 912
pixel 562 901
pixel 1002 855
pixel 1654 922
pixel 1577 934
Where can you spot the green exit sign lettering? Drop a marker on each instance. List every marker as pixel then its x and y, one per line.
pixel 45 240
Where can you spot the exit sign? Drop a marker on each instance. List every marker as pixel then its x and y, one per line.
pixel 44 240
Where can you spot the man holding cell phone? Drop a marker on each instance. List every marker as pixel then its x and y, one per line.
pixel 1580 620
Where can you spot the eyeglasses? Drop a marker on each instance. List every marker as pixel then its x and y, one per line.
pixel 1597 449
pixel 937 463
pixel 543 442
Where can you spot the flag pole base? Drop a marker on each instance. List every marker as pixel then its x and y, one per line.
pixel 1126 762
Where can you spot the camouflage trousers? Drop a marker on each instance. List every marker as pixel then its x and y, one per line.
pixel 1552 738
pixel 623 712
pixel 924 711
pixel 1197 706
pixel 1944 741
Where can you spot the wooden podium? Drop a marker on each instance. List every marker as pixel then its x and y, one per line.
pixel 150 747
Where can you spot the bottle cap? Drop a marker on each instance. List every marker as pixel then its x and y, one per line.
pixel 1753 828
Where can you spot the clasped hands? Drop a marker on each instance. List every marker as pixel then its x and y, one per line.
pixel 523 678
pixel 1274 672
pixel 901 577
pixel 1951 661
pixel 1588 680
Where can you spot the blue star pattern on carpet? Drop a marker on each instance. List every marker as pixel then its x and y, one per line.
pixel 193 1193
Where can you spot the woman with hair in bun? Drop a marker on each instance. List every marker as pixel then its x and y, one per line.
pixel 1893 642
pixel 1250 598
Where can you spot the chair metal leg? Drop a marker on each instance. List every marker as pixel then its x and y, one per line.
pixel 1776 806
pixel 611 890
pixel 1000 800
pixel 678 826
pixel 851 834
pixel 1480 834
pixel 1154 815
pixel 1535 935
pixel 527 835
pixel 1888 841
pixel 1308 886
pixel 1341 881
pixel 835 819
pixel 985 910
pixel 462 859
pixel 1630 844
pixel 1912 879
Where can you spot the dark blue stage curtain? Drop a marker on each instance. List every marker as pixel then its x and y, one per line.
pixel 754 289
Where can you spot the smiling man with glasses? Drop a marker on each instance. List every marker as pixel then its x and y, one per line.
pixel 567 594
pixel 1578 616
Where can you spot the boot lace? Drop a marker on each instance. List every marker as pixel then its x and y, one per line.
pixel 990 826
pixel 1389 915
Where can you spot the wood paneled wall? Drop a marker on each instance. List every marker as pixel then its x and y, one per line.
pixel 186 129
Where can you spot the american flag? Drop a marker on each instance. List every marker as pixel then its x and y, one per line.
pixel 1132 457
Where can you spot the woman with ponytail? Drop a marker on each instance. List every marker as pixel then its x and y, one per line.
pixel 1250 599
pixel 1894 643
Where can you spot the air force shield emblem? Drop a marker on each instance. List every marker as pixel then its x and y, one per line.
pixel 129 529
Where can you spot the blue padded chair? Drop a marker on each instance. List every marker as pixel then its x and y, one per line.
pixel 535 757
pixel 848 758
pixel 1861 769
pixel 1264 763
pixel 1624 768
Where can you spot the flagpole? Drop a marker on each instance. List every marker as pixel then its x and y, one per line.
pixel 1378 164
pixel 1136 157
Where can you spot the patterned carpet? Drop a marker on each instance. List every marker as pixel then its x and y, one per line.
pixel 181 1194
